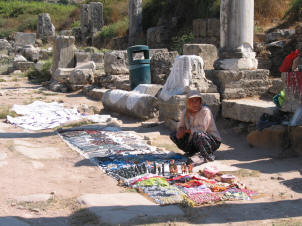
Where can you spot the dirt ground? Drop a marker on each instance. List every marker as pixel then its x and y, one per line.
pixel 66 175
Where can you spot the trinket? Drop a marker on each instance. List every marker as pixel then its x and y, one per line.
pixel 184 168
pixel 228 178
pixel 173 167
pixel 190 168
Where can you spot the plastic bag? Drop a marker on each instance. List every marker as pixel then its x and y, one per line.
pixel 297 118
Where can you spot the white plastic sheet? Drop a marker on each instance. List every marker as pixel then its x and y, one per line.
pixel 181 75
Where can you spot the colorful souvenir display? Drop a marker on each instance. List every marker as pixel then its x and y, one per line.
pixel 165 177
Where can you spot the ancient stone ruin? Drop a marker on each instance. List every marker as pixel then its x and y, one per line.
pixel 207 31
pixel 237 36
pixel 187 74
pixel 91 20
pixel 135 20
pixel 44 26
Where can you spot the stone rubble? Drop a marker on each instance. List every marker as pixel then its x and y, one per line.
pixel 23 39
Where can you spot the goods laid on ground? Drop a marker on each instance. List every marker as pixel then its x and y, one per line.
pixel 165 177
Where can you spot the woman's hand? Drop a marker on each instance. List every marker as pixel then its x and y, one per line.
pixel 181 132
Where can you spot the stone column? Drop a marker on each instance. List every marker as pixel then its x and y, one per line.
pixel 63 53
pixel 44 26
pixel 85 26
pixel 96 10
pixel 236 36
pixel 135 20
pixel 91 20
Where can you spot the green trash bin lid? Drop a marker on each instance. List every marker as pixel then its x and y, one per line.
pixel 138 49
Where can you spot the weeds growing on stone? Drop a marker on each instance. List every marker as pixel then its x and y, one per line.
pixel 5 111
pixel 44 75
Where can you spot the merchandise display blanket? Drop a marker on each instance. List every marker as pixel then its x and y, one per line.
pixel 165 177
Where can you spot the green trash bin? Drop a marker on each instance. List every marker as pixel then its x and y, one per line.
pixel 139 68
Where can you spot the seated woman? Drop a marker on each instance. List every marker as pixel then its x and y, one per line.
pixel 197 132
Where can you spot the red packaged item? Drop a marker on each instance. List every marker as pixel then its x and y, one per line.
pixel 210 171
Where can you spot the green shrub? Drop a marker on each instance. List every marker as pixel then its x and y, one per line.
pixel 179 41
pixel 113 10
pixel 186 11
pixel 64 2
pixel 295 11
pixel 116 29
pixel 29 22
pixel 76 24
pixel 44 75
pixel 5 111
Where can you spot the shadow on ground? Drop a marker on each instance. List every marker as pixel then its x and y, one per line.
pixel 229 212
pixel 294 184
pixel 26 135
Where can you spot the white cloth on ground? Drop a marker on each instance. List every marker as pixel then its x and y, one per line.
pixel 40 115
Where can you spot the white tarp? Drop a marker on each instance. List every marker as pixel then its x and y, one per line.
pixel 40 115
pixel 181 75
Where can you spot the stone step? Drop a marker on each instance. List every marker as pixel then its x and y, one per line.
pixel 246 82
pixel 252 83
pixel 237 93
pixel 231 76
pixel 256 83
pixel 246 109
pixel 94 93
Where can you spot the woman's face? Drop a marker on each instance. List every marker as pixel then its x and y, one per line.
pixel 194 104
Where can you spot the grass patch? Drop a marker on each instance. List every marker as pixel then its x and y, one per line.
pixel 2 80
pixel 52 204
pixel 5 111
pixel 22 15
pixel 246 173
pixel 294 13
pixel 117 29
pixel 179 41
pixel 46 93
pixel 44 75
pixel 82 122
pixel 291 222
pixel 266 11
